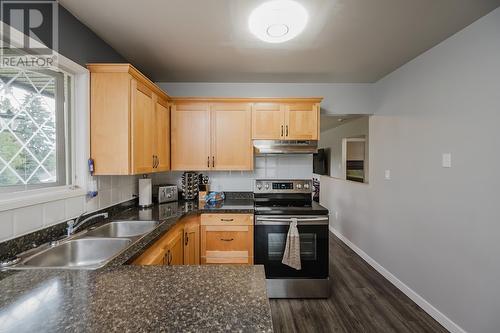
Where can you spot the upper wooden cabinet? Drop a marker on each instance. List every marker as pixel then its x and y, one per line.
pixel 211 136
pixel 129 121
pixel 286 120
pixel 191 136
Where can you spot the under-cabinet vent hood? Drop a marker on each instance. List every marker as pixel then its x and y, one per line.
pixel 285 147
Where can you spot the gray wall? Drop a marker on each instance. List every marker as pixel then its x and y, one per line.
pixel 338 98
pixel 435 229
pixel 80 44
pixel 332 139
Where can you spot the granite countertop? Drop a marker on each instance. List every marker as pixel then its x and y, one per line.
pixel 120 297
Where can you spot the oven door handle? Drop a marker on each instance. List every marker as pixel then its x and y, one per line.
pixel 305 221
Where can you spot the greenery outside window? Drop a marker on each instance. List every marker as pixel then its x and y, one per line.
pixel 34 131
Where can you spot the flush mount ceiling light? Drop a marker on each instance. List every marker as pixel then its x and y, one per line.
pixel 278 21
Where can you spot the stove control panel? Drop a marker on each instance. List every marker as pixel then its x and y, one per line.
pixel 283 186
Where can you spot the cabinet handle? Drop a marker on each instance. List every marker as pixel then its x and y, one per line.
pixel 157 161
pixel 169 260
pixel 227 220
pixel 154 161
pixel 208 161
pixel 281 130
pixel 227 239
pixel 286 130
pixel 213 161
pixel 187 239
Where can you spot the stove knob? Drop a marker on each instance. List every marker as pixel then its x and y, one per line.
pixel 259 186
pixel 299 186
pixel 267 186
pixel 306 186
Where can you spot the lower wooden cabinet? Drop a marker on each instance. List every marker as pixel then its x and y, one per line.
pixel 227 239
pixel 192 241
pixel 179 246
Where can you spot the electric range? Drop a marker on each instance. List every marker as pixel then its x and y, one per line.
pixel 277 204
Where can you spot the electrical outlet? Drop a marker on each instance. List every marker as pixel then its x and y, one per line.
pixel 387 175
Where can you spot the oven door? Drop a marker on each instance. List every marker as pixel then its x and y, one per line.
pixel 270 240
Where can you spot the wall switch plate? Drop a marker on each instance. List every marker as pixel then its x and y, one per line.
pixel 387 175
pixel 446 162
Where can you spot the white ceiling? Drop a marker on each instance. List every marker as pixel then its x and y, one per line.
pixel 208 40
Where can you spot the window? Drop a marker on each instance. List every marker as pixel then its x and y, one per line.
pixel 34 129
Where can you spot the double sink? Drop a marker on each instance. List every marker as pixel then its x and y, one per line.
pixel 89 249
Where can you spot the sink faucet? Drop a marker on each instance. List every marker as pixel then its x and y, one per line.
pixel 78 222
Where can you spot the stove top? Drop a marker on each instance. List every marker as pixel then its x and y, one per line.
pixel 285 197
pixel 314 209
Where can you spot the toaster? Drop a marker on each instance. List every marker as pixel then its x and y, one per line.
pixel 165 193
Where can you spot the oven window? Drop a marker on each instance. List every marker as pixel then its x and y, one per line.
pixel 276 243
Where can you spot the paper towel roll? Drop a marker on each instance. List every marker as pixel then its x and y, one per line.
pixel 145 192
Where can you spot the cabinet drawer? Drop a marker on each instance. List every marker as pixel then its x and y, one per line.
pixel 227 244
pixel 226 219
pixel 227 238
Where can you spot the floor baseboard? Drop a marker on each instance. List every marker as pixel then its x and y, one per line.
pixel 419 300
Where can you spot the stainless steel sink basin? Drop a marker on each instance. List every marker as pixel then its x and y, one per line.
pixel 77 253
pixel 123 229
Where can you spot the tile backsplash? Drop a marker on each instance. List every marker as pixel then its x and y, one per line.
pixel 111 190
pixel 268 166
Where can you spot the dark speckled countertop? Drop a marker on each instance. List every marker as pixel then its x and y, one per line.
pixel 127 298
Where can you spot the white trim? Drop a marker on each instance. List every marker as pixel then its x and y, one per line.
pixel 419 300
pixel 35 197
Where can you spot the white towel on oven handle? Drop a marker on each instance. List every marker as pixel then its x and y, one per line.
pixel 291 256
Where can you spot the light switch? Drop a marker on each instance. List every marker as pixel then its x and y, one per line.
pixel 387 175
pixel 446 160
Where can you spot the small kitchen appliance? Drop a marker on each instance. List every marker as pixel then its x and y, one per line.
pixel 166 193
pixel 277 204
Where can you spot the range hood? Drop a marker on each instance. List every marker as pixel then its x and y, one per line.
pixel 285 147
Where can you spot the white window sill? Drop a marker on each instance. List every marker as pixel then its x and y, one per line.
pixel 36 197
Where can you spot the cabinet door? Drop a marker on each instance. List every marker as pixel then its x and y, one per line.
pixel 190 137
pixel 232 147
pixel 268 121
pixel 192 243
pixel 162 135
pixel 227 244
pixel 301 121
pixel 142 128
pixel 155 255
pixel 174 254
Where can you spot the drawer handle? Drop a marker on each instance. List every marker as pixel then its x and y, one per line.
pixel 227 239
pixel 227 220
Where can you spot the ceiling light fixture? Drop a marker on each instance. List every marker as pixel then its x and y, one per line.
pixel 278 21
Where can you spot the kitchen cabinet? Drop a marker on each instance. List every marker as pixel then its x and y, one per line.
pixel 129 121
pixel 211 136
pixel 190 136
pixel 295 120
pixel 162 135
pixel 179 246
pixel 227 239
pixel 174 247
pixel 192 241
pixel 231 147
pixel 268 121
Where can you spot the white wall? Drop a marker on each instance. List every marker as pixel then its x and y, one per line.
pixel 435 229
pixel 333 137
pixel 338 98
pixel 269 167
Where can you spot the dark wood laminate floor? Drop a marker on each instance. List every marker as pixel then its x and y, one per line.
pixel 361 300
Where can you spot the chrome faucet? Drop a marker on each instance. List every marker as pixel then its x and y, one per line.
pixel 78 222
